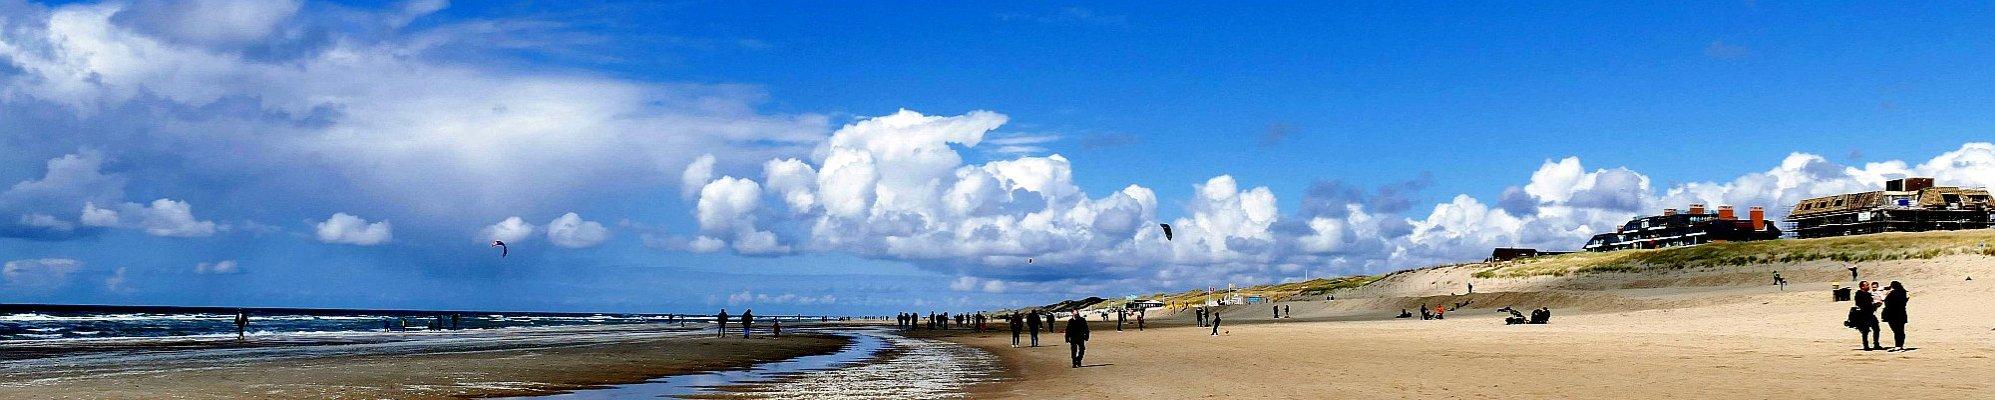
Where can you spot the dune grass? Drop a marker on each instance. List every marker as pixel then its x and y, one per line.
pixel 1864 248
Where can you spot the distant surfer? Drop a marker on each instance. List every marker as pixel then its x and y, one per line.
pixel 242 324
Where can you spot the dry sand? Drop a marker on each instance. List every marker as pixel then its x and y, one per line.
pixel 1711 333
pixel 482 372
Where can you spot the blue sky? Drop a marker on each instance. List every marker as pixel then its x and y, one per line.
pixel 243 153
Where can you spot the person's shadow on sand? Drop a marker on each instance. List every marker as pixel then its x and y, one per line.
pixel 1096 365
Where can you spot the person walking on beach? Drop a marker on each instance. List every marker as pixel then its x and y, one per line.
pixel 1863 317
pixel 1278 312
pixel 776 328
pixel 1779 281
pixel 1287 313
pixel 1215 324
pixel 1139 320
pixel 1200 314
pixel 242 324
pixel 721 319
pixel 1077 337
pixel 1852 273
pixel 1049 323
pixel 1119 317
pixel 1032 325
pixel 1016 328
pixel 747 319
pixel 1894 314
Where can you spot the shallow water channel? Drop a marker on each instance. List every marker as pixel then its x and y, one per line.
pixel 877 364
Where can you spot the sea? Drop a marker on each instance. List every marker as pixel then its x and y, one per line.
pixel 31 322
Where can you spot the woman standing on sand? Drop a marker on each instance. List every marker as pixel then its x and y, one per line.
pixel 1894 313
pixel 1863 317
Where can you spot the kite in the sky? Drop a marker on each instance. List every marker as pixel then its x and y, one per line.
pixel 501 246
pixel 1028 260
pixel 1167 231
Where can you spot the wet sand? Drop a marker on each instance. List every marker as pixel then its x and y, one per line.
pixel 563 361
pixel 1691 335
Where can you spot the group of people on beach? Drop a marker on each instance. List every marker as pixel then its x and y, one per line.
pixel 1863 316
pixel 747 323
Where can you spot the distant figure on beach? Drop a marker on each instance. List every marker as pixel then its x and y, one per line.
pixel 776 328
pixel 1278 312
pixel 747 319
pixel 1471 287
pixel 1287 313
pixel 1139 320
pixel 1049 323
pixel 1894 314
pixel 1200 314
pixel 1853 273
pixel 721 318
pixel 1542 315
pixel 1215 324
pixel 1119 317
pixel 1863 317
pixel 1404 314
pixel 1779 281
pixel 242 324
pixel 1077 337
pixel 1424 314
pixel 1440 313
pixel 1017 327
pixel 453 321
pixel 1032 325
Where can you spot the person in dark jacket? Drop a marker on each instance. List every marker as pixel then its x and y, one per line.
pixel 1863 317
pixel 1894 313
pixel 1215 324
pixel 1077 337
pixel 747 321
pixel 1049 323
pixel 1017 327
pixel 1119 317
pixel 1032 325
pixel 721 318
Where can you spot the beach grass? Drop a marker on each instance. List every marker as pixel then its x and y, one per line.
pixel 1862 248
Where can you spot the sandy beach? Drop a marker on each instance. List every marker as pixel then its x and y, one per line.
pixel 473 366
pixel 1701 333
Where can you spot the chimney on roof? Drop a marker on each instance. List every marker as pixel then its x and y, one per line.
pixel 1725 213
pixel 1758 214
pixel 1696 209
pixel 1669 212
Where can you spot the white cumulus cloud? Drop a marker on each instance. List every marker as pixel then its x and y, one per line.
pixel 342 228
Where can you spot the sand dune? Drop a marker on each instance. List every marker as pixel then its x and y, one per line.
pixel 1722 332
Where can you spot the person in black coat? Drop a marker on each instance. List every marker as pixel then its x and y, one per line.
pixel 1894 313
pixel 1032 325
pixel 747 320
pixel 1863 317
pixel 1077 337
pixel 1017 327
pixel 722 319
pixel 1049 323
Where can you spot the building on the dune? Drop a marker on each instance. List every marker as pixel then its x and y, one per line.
pixel 1513 253
pixel 1694 227
pixel 1905 205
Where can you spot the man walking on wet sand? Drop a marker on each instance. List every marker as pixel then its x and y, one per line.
pixel 242 324
pixel 721 319
pixel 1077 337
pixel 1032 325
